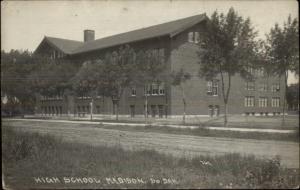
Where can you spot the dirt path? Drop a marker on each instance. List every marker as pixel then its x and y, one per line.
pixel 179 145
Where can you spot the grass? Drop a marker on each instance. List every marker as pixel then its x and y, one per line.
pixel 238 121
pixel 294 137
pixel 28 155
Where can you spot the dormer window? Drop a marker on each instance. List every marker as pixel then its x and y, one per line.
pixel 194 37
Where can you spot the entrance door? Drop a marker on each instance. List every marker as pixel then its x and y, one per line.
pixel 153 110
pixel 211 111
pixel 132 110
pixel 216 111
pixel 160 111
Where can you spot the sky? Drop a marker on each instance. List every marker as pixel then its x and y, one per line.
pixel 25 23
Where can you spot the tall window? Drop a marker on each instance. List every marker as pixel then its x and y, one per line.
pixel 162 55
pixel 196 37
pixel 262 102
pixel 133 91
pixel 154 89
pixel 275 88
pixel 249 101
pixel 249 86
pixel 275 102
pixel 161 89
pixel 147 89
pixel 212 87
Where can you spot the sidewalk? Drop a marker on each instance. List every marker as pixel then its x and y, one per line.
pixel 161 125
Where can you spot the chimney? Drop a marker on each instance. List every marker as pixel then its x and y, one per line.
pixel 89 35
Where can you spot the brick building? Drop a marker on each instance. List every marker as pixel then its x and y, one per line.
pixel 177 42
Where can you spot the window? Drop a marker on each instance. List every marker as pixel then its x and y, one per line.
pixel 191 36
pixel 249 101
pixel 98 109
pixel 155 53
pixel 154 89
pixel 249 86
pixel 147 89
pixel 197 37
pixel 260 72
pixel 262 102
pixel 250 70
pixel 133 91
pixel 216 110
pixel 162 55
pixel 263 87
pixel 132 110
pixel 160 111
pixel 157 88
pixel 194 37
pixel 209 87
pixel 275 88
pixel 275 102
pixel 210 110
pixel 212 88
pixel 153 110
pixel 53 110
pixel 161 89
pixel 88 109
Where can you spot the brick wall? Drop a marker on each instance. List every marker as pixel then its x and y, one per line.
pixel 184 55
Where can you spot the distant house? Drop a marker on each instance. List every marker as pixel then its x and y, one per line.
pixel 177 42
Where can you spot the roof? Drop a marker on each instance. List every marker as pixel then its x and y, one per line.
pixel 166 29
pixel 65 45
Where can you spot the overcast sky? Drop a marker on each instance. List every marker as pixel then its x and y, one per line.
pixel 25 23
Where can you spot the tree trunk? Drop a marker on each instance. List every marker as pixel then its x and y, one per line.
pixel 225 114
pixel 284 99
pixel 184 112
pixel 225 96
pixel 146 107
pixel 117 111
pixel 184 105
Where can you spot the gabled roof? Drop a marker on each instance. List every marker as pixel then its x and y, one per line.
pixel 170 28
pixel 66 46
pixel 166 29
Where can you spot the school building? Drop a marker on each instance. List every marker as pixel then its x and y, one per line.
pixel 177 42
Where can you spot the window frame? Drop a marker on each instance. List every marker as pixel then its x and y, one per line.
pixel 133 91
pixel 275 102
pixel 249 101
pixel 263 102
pixel 191 37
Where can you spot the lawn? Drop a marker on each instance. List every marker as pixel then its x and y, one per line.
pixel 294 137
pixel 29 155
pixel 262 122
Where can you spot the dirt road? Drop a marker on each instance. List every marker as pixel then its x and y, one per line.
pixel 178 145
